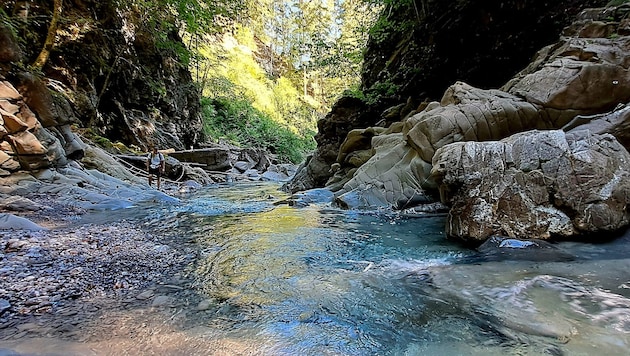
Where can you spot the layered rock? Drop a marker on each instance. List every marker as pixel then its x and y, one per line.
pixel 419 48
pixel 579 84
pixel 537 184
pixel 27 142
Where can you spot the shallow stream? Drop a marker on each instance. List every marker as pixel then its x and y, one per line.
pixel 318 280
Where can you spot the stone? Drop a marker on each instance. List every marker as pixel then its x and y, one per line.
pixel 12 123
pixel 4 306
pixel 9 107
pixel 535 185
pixel 7 91
pixel 12 222
pixel 147 294
pixel 616 123
pixel 162 301
pixel 214 159
pixel 243 166
pixel 17 203
pixel 7 162
pixel 26 143
pixel 204 305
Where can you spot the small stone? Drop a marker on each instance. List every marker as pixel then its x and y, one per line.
pixel 146 294
pixel 203 305
pixel 4 305
pixel 27 327
pixel 162 301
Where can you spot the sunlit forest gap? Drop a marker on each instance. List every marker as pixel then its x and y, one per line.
pixel 267 77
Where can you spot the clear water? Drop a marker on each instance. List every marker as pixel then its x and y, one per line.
pixel 324 281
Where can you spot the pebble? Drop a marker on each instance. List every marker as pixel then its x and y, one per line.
pixel 57 281
pixel 146 294
pixel 69 274
pixel 4 305
pixel 162 301
pixel 204 305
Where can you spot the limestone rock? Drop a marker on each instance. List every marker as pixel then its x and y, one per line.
pixel 537 184
pixel 7 91
pixel 26 143
pixel 466 113
pixel 17 203
pixel 616 123
pixel 389 179
pixel 213 159
pixel 587 70
pixel 8 163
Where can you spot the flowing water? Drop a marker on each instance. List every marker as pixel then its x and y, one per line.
pixel 318 280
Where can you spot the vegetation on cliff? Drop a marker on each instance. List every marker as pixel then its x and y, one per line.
pixel 139 71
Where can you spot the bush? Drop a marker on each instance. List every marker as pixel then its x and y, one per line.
pixel 237 121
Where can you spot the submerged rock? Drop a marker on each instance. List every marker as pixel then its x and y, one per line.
pixel 506 248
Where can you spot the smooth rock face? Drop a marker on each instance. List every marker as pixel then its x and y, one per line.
pixel 580 85
pixel 12 222
pixel 537 184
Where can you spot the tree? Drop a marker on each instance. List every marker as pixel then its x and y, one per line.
pixel 42 58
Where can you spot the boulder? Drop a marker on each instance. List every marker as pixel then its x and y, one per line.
pixel 535 185
pixel 391 178
pixel 213 159
pixel 466 113
pixel 616 123
pixel 586 70
pixel 12 222
pixel 17 203
pixel 278 173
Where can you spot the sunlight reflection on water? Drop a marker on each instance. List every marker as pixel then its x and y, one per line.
pixel 319 280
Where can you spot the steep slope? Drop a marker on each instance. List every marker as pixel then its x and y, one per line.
pixel 116 75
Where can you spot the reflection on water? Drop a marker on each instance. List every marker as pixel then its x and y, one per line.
pixel 318 280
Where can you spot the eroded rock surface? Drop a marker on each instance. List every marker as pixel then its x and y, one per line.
pixel 579 84
pixel 538 184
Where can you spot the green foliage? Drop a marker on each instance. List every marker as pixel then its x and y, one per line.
pixel 6 21
pixel 241 124
pixel 617 2
pixel 275 106
pixel 372 95
pixel 385 25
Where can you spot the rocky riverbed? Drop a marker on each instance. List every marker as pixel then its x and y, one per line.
pixel 75 281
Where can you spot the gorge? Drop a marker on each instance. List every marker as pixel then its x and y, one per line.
pixel 416 227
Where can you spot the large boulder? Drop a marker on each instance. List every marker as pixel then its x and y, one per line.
pixel 535 185
pixel 398 173
pixel 616 123
pixel 30 141
pixel 586 70
pixel 419 48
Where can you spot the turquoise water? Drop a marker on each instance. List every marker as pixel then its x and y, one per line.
pixel 323 281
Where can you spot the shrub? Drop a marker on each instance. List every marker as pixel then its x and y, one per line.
pixel 237 121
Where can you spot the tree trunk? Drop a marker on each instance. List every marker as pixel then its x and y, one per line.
pixel 50 38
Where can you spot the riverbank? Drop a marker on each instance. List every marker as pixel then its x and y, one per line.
pixel 84 285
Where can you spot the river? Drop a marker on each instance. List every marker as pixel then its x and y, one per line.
pixel 318 280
